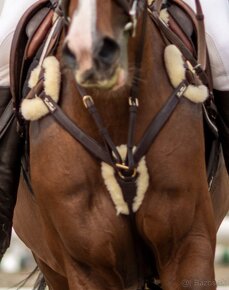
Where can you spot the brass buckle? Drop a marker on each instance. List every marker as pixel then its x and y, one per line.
pixel 88 101
pixel 133 102
pixel 124 167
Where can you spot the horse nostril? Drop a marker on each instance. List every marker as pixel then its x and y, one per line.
pixel 69 57
pixel 109 51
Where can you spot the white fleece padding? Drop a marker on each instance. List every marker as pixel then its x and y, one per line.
pixel 34 77
pixel 174 64
pixel 115 190
pixel 34 109
pixel 164 15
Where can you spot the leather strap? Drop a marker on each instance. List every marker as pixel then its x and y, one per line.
pixel 134 93
pixel 89 143
pixel 159 121
pixel 198 20
pixel 6 118
pixel 173 38
pixel 110 146
pixel 200 63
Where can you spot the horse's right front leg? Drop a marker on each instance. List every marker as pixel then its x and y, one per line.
pixel 53 280
pixel 182 237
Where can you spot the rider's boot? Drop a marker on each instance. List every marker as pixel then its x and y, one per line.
pixel 222 103
pixel 9 167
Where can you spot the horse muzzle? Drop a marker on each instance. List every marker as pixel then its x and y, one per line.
pixel 99 67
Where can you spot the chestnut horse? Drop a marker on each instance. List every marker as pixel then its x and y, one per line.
pixel 70 223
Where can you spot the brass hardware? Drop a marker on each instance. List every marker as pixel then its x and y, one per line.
pixel 125 168
pixel 133 102
pixel 88 101
pixel 197 67
pixel 122 166
pixel 125 177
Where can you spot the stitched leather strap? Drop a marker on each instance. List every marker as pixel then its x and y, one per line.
pixel 6 118
pixel 89 143
pixel 159 121
pixel 201 42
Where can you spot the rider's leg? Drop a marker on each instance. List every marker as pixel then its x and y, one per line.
pixel 9 167
pixel 217 37
pixel 9 141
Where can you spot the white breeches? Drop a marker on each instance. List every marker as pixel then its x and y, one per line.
pixel 217 35
pixel 10 13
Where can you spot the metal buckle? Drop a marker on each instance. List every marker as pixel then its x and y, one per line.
pixel 133 102
pixel 198 69
pixel 124 167
pixel 197 66
pixel 88 101
pixel 182 89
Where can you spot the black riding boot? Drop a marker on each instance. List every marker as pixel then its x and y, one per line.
pixel 9 167
pixel 222 103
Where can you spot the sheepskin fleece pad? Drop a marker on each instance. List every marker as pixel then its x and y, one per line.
pixel 115 190
pixel 175 66
pixel 34 109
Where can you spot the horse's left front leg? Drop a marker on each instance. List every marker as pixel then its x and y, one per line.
pixel 191 265
pixel 183 241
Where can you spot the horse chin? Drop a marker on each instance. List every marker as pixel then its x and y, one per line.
pixel 118 80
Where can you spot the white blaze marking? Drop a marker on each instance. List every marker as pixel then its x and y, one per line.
pixel 82 29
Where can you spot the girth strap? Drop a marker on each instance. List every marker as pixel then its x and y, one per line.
pixel 6 118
